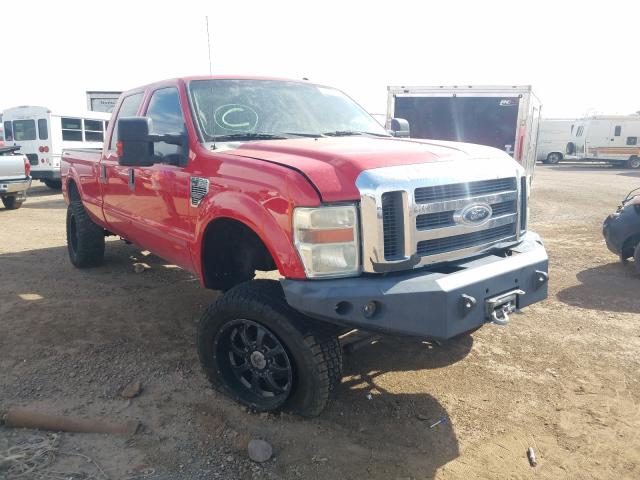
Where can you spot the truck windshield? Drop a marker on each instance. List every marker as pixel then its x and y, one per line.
pixel 259 109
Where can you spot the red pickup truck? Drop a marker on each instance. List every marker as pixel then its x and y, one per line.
pixel 225 176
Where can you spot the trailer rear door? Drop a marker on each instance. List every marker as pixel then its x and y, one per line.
pixel 484 120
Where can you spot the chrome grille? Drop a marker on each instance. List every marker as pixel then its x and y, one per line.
pixel 459 242
pixel 463 190
pixel 421 214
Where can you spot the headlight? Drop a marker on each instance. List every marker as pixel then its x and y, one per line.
pixel 327 240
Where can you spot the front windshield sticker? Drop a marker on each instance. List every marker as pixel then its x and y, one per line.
pixel 236 117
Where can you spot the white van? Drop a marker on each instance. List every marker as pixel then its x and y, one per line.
pixel 42 135
pixel 608 138
pixel 553 136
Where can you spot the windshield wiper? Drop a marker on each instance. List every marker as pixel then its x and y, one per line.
pixel 248 136
pixel 342 133
pixel 348 133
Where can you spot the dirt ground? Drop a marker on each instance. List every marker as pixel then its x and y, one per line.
pixel 562 377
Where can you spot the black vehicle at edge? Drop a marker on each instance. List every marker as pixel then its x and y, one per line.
pixel 621 229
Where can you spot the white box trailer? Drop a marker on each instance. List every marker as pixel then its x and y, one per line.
pixel 504 117
pixel 607 138
pixel 102 101
pixel 553 136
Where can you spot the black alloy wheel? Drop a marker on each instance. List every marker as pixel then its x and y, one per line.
pixel 254 362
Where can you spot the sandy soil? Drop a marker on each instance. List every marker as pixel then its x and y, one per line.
pixel 562 377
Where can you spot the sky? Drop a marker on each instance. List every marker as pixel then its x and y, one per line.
pixel 580 57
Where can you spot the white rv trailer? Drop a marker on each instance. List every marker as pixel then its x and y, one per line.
pixel 504 117
pixel 553 136
pixel 607 138
pixel 42 135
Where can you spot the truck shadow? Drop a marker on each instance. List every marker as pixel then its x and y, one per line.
pixel 143 325
pixel 612 287
pixel 39 189
pixel 57 203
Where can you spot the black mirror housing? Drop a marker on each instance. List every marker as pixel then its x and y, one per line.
pixel 135 146
pixel 400 128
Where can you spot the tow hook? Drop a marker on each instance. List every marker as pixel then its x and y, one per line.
pixel 498 309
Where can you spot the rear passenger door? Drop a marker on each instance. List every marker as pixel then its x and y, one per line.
pixel 115 180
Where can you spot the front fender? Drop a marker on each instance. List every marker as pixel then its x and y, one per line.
pixel 269 218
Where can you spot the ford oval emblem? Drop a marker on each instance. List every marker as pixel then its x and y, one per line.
pixel 474 214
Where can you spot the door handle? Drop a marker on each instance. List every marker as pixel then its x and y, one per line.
pixel 132 179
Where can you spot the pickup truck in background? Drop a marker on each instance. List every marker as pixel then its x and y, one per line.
pixel 15 177
pixel 226 176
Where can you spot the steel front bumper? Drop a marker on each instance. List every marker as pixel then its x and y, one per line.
pixel 15 186
pixel 437 303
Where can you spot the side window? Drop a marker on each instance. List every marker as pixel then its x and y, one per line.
pixel 71 129
pixel 580 130
pixel 8 131
pixel 617 131
pixel 43 129
pixel 93 131
pixel 632 140
pixel 166 116
pixel 128 108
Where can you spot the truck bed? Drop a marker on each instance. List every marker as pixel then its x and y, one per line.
pixel 11 165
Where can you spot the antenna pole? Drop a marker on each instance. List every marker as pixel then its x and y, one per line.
pixel 208 42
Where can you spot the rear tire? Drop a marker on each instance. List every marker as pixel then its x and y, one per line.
pixel 53 184
pixel 85 239
pixel 237 338
pixel 636 258
pixel 634 163
pixel 553 158
pixel 11 203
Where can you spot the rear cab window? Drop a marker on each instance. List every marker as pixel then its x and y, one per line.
pixel 128 108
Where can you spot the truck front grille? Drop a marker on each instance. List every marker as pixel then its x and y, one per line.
pixel 392 224
pixel 463 190
pixel 460 242
pixel 422 214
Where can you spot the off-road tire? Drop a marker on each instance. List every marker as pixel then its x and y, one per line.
pixel 313 348
pixel 85 239
pixel 11 202
pixel 553 158
pixel 633 163
pixel 636 258
pixel 53 184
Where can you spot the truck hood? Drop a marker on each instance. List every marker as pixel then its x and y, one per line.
pixel 333 164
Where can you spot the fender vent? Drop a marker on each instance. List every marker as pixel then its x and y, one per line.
pixel 199 189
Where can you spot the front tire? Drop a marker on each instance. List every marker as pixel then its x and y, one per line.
pixel 11 202
pixel 633 163
pixel 255 348
pixel 553 158
pixel 85 239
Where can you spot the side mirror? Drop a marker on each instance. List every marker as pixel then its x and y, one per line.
pixel 399 128
pixel 135 146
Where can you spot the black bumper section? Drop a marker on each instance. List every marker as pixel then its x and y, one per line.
pixel 620 230
pixel 425 303
pixel 45 175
